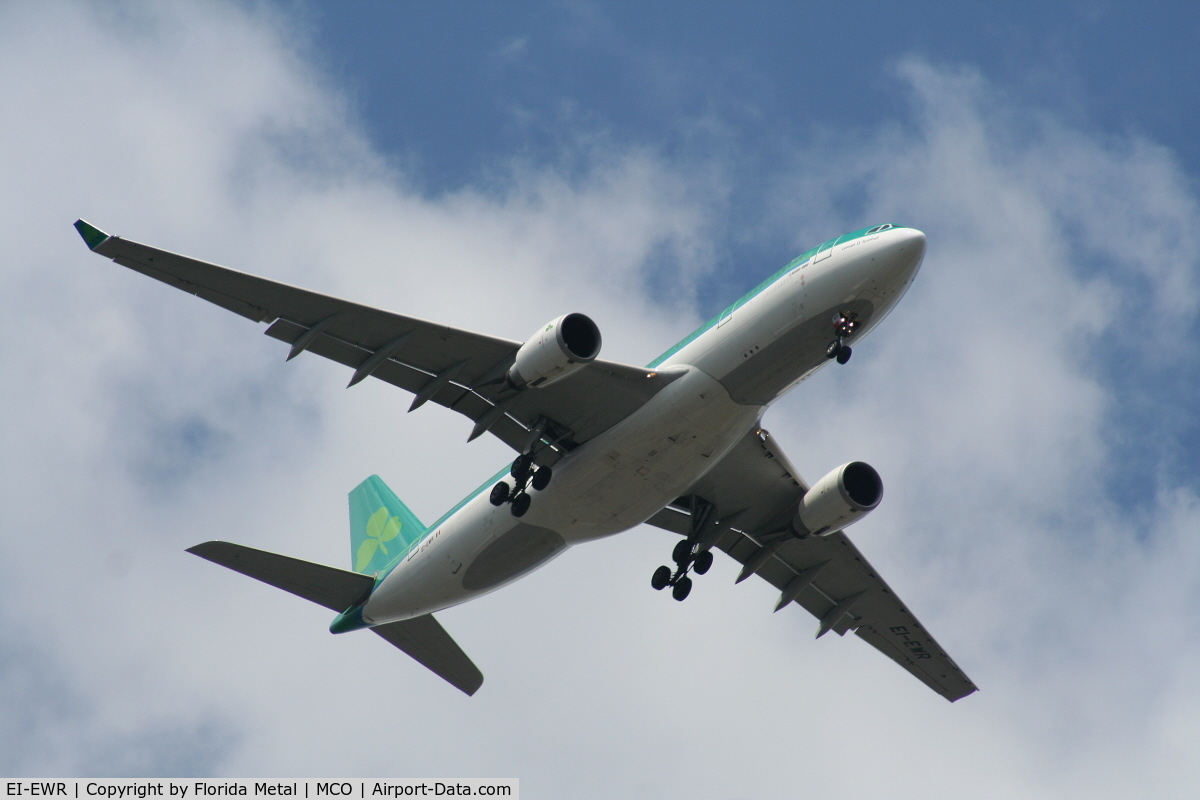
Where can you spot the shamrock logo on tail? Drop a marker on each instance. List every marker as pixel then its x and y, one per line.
pixel 380 529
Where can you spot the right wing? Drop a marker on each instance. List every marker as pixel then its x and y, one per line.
pixel 458 369
pixel 754 491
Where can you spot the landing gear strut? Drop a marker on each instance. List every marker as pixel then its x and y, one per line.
pixel 688 555
pixel 844 325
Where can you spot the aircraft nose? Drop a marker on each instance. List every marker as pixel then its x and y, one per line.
pixel 910 242
pixel 904 253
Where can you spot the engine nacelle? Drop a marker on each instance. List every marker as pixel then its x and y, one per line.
pixel 841 498
pixel 568 343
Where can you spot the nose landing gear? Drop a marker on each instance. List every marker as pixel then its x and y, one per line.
pixel 844 326
pixel 688 555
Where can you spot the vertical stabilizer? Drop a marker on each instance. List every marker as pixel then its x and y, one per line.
pixel 381 527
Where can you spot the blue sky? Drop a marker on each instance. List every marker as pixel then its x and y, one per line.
pixel 452 90
pixel 461 86
pixel 1029 404
pixel 454 93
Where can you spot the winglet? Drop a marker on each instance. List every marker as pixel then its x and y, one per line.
pixel 92 236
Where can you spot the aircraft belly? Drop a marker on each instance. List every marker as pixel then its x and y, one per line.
pixel 624 476
pixel 615 481
pixel 519 550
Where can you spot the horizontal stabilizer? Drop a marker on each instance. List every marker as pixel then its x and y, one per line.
pixel 335 589
pixel 426 640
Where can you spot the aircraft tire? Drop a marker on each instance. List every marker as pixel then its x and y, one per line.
pixel 499 494
pixel 520 504
pixel 833 350
pixel 520 468
pixel 682 588
pixel 541 478
pixel 703 562
pixel 682 551
pixel 660 579
pixel 843 354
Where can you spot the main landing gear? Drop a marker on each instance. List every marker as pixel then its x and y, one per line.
pixel 687 555
pixel 844 326
pixel 524 474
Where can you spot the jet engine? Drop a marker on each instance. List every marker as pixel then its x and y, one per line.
pixel 558 349
pixel 841 498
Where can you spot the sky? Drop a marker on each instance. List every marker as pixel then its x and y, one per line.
pixel 1029 404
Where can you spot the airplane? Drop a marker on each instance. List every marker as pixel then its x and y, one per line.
pixel 601 448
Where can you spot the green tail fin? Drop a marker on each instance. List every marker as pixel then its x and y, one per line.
pixel 381 527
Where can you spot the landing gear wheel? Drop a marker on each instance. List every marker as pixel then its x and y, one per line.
pixel 520 468
pixel 520 504
pixel 843 354
pixel 499 494
pixel 682 552
pixel 833 350
pixel 660 579
pixel 682 588
pixel 541 478
pixel 703 562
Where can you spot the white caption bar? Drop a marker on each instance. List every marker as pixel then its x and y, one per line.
pixel 180 789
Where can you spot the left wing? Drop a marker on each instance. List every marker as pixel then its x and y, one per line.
pixel 458 369
pixel 754 491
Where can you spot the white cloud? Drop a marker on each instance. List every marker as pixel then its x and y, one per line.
pixel 1051 252
pixel 139 421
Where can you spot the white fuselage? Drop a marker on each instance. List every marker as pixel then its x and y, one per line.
pixel 727 375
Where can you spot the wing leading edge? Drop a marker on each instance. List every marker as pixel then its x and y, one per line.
pixel 455 368
pixel 755 490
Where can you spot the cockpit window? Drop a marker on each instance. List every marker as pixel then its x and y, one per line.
pixel 885 226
